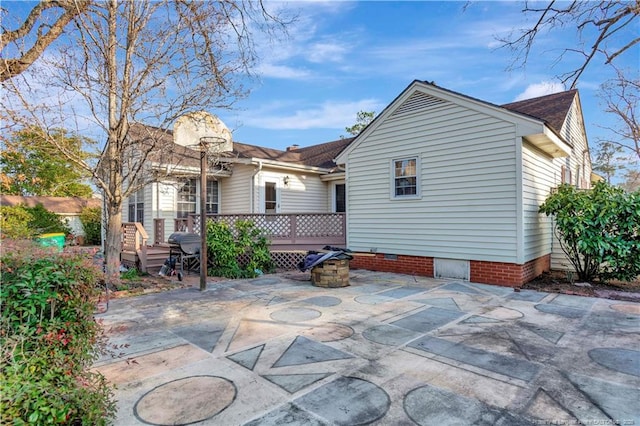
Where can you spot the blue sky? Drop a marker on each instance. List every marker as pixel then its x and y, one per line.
pixel 344 57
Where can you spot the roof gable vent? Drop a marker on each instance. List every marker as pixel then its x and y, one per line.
pixel 419 101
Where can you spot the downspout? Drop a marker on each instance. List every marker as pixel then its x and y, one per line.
pixel 157 215
pixel 253 185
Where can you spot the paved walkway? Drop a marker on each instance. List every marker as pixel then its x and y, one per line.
pixel 388 350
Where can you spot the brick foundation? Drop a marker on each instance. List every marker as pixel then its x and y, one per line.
pixel 499 273
pixel 414 265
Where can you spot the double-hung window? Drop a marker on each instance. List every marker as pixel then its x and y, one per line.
pixel 187 196
pixel 136 207
pixel 404 178
pixel 212 196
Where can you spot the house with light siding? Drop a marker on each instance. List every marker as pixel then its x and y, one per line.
pixel 68 208
pixel 441 184
pixel 248 179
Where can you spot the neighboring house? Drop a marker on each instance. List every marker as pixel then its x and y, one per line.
pixel 250 179
pixel 68 208
pixel 445 185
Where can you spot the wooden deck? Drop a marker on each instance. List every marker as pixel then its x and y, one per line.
pixel 291 235
pixel 289 231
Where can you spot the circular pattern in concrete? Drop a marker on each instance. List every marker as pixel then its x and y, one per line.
pixel 627 308
pixel 428 405
pixel 389 335
pixel 347 401
pixel 618 359
pixel 295 314
pixel 329 332
pixel 323 301
pixel 185 401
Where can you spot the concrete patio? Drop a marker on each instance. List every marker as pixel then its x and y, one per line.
pixel 387 350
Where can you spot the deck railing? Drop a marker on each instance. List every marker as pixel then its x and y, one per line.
pixel 286 231
pixel 134 240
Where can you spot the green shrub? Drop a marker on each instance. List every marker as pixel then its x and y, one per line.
pixel 242 252
pixel 14 222
pixel 49 339
pixel 598 229
pixel 20 222
pixel 130 274
pixel 91 218
pixel 45 222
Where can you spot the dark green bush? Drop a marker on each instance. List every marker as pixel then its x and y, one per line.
pixel 49 339
pixel 19 222
pixel 242 252
pixel 45 222
pixel 598 229
pixel 91 218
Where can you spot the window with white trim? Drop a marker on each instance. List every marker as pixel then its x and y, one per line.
pixel 405 183
pixel 340 198
pixel 136 207
pixel 212 197
pixel 187 196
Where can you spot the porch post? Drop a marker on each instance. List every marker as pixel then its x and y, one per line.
pixel 203 215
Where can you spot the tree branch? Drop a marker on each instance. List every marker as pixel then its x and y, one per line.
pixel 12 67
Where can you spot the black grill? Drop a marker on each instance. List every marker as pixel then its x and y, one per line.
pixel 185 247
pixel 186 242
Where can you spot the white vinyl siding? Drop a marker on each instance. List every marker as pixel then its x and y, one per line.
pixel 468 186
pixel 304 193
pixel 235 191
pixel 540 174
pixel 579 163
pixel 164 201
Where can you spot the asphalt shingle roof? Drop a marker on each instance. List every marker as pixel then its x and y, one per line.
pixel 552 109
pixel 320 155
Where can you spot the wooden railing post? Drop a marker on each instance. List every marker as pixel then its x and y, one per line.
pixel 293 230
pixel 158 231
pixel 141 246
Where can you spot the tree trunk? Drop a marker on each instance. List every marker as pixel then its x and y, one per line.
pixel 113 244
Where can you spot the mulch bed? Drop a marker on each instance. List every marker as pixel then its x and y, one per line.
pixel 558 282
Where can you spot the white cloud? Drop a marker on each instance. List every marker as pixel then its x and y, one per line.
pixel 330 114
pixel 540 89
pixel 326 52
pixel 282 71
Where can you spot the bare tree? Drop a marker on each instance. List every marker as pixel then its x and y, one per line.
pixel 621 96
pixel 61 13
pixel 596 22
pixel 606 30
pixel 139 61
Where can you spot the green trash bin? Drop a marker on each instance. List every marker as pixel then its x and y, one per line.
pixel 52 240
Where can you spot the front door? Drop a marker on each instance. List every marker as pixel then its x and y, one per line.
pixel 271 201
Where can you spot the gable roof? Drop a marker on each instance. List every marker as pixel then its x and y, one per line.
pixel 552 109
pixel 320 155
pixel 537 130
pixel 59 205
